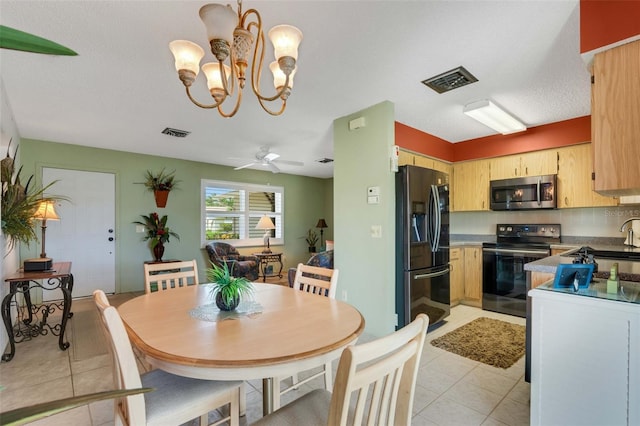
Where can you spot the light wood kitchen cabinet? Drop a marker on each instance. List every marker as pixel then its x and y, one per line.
pixel 405 158
pixel 615 127
pixel 536 163
pixel 456 261
pixel 575 187
pixel 470 186
pixel 473 276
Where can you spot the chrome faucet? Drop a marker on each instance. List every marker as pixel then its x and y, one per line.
pixel 629 229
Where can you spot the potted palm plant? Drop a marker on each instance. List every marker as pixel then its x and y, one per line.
pixel 227 289
pixel 312 240
pixel 160 183
pixel 158 233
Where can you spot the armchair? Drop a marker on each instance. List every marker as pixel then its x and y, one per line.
pixel 323 260
pixel 240 265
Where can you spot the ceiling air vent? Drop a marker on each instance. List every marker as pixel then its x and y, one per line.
pixel 450 80
pixel 325 160
pixel 175 132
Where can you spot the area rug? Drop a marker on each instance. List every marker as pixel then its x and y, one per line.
pixel 87 337
pixel 490 341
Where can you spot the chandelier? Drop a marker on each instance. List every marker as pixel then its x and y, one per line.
pixel 233 37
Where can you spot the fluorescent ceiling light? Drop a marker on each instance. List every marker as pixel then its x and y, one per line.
pixel 492 116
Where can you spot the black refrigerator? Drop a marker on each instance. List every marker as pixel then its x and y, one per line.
pixel 422 244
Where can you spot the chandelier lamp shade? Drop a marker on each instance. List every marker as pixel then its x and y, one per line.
pixel 234 39
pixel 491 115
pixel 266 223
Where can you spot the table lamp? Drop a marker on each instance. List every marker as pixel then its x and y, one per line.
pixel 266 223
pixel 46 211
pixel 321 224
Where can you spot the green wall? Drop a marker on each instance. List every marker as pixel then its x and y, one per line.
pixel 305 202
pixel 366 264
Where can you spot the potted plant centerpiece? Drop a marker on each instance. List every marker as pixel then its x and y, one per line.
pixel 227 289
pixel 160 183
pixel 312 240
pixel 157 232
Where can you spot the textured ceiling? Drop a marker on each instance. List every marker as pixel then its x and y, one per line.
pixel 122 90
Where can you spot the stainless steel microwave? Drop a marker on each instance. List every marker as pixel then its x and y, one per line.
pixel 525 193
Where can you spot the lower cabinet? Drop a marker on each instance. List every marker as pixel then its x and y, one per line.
pixel 585 360
pixel 473 276
pixel 456 261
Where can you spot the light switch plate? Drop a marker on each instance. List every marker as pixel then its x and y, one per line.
pixel 376 231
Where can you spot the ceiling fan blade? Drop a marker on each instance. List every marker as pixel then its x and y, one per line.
pixel 245 166
pixel 273 167
pixel 289 162
pixel 19 40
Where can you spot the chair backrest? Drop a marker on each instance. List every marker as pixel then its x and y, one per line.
pixel 316 280
pixel 383 375
pixel 170 275
pixel 130 409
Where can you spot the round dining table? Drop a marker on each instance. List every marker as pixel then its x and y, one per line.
pixel 278 332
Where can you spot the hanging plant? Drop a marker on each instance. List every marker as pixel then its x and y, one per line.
pixel 160 183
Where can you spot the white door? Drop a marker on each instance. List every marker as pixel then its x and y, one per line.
pixel 85 234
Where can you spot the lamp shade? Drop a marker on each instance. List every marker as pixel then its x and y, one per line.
pixel 46 211
pixel 278 76
pixel 214 77
pixel 321 224
pixel 285 39
pixel 187 55
pixel 220 21
pixel 265 222
pixel 491 115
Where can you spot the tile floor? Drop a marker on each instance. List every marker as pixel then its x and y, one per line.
pixel 451 390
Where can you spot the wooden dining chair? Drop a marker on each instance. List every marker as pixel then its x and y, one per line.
pixel 379 375
pixel 323 282
pixel 168 275
pixel 176 399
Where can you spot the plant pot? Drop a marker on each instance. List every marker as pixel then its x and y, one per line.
pixel 223 306
pixel 158 251
pixel 161 197
pixel 312 249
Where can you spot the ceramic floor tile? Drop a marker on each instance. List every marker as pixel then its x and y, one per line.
pixel 490 421
pixel 98 380
pixel 455 365
pixel 78 416
pixel 422 398
pixel 420 420
pixel 512 412
pixel 474 397
pixel 489 380
pixel 521 392
pixel 435 380
pixel 102 412
pixel 90 363
pixel 444 411
pixel 36 393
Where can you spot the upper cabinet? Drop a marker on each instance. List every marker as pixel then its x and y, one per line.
pixel 470 187
pixel 615 120
pixel 409 158
pixel 530 164
pixel 575 187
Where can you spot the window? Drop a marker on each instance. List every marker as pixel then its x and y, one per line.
pixel 231 211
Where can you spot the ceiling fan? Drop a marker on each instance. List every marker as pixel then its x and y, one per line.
pixel 268 159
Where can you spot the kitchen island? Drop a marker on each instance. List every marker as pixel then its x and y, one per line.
pixel 585 353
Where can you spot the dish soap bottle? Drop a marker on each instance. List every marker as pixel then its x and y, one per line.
pixel 614 280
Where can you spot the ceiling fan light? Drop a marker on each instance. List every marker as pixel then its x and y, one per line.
pixel 285 40
pixel 279 77
pixel 489 114
pixel 271 156
pixel 214 78
pixel 187 55
pixel 220 21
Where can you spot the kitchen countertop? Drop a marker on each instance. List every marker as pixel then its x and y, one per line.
pixel 628 270
pixel 627 292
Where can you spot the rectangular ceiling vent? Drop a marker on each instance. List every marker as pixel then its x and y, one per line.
pixel 325 160
pixel 175 132
pixel 450 80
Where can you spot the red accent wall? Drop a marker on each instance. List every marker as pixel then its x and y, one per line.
pixel 562 133
pixel 424 143
pixel 604 22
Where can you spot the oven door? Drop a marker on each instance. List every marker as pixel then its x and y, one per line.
pixel 504 280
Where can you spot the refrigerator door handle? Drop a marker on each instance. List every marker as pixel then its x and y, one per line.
pixel 435 219
pixel 432 274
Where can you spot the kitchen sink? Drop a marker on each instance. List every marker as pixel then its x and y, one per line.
pixel 631 254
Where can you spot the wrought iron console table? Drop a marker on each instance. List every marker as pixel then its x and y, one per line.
pixel 31 320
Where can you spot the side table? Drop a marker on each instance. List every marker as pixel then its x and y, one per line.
pixel 264 260
pixel 28 322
